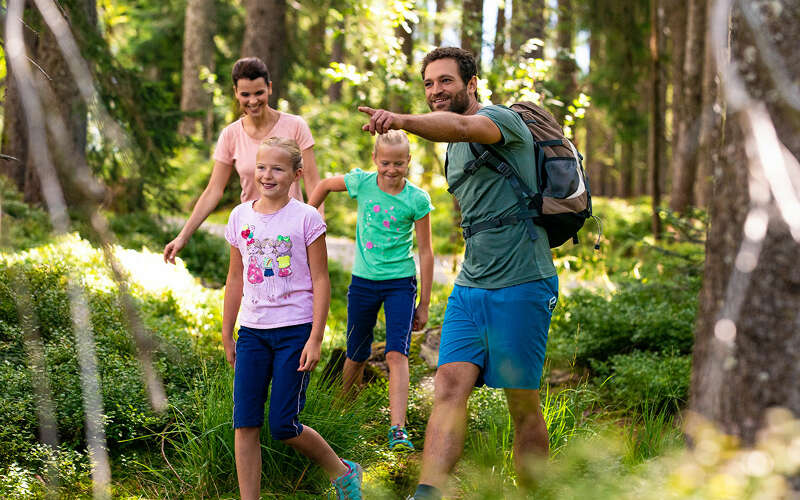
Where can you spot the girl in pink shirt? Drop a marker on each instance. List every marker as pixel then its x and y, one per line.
pixel 238 144
pixel 278 286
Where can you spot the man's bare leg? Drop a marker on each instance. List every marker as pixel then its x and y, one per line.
pixel 444 436
pixel 530 430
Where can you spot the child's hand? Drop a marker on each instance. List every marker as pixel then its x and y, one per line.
pixel 420 318
pixel 230 350
pixel 310 356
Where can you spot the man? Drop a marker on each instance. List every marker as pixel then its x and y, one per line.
pixel 497 318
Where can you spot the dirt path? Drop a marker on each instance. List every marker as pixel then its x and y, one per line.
pixel 341 250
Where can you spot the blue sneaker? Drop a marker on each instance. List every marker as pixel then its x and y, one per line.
pixel 348 486
pixel 398 439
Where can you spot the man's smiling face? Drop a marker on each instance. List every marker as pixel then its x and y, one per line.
pixel 444 88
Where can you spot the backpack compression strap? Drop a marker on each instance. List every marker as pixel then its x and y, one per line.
pixel 485 156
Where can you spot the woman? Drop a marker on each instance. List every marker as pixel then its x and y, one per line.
pixel 238 144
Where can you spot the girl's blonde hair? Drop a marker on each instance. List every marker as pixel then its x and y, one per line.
pixel 288 145
pixel 391 137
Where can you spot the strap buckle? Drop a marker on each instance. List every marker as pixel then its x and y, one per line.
pixel 473 165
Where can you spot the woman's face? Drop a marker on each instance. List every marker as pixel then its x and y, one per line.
pixel 253 95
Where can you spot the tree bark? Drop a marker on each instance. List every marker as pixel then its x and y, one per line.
pixel 399 100
pixel 60 95
pixel 747 345
pixel 688 122
pixel 316 48
pixel 472 28
pixel 528 21
pixel 566 68
pixel 265 37
pixel 337 55
pixel 710 126
pixel 438 23
pixel 198 52
pixel 625 168
pixel 677 29
pixel 656 149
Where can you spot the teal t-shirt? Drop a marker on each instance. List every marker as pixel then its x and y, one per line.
pixel 503 256
pixel 385 227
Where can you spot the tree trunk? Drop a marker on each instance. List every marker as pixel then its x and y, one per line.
pixel 747 342
pixel 566 68
pixel 625 168
pixel 198 53
pixel 337 55
pixel 710 126
pixel 438 24
pixel 500 34
pixel 472 28
pixel 677 29
pixel 656 114
pixel 685 154
pixel 265 37
pixel 593 123
pixel 60 95
pixel 316 48
pixel 528 21
pixel 399 100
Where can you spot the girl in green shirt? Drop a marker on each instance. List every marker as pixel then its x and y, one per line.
pixel 390 210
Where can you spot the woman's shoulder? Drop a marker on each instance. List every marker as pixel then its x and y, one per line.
pixel 233 128
pixel 293 120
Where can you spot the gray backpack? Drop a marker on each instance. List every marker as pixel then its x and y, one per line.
pixel 561 202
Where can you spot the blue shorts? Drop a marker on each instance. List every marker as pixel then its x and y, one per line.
pixel 364 299
pixel 261 356
pixel 502 331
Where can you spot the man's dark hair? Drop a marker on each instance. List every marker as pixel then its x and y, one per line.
pixel 467 67
pixel 250 68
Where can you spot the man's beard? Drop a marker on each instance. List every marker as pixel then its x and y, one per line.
pixel 459 102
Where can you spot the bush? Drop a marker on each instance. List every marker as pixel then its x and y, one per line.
pixel 24 226
pixel 590 327
pixel 39 278
pixel 639 378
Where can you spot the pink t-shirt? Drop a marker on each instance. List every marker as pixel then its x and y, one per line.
pixel 235 147
pixel 277 280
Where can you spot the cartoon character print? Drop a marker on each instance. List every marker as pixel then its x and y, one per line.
pixel 283 249
pixel 260 261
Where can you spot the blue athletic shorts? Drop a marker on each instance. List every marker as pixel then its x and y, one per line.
pixel 503 331
pixel 364 299
pixel 261 356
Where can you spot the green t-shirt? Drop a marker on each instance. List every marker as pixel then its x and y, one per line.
pixel 385 227
pixel 503 256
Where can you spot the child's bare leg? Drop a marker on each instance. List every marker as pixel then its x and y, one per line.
pixel 311 444
pixel 247 446
pixel 398 387
pixel 352 374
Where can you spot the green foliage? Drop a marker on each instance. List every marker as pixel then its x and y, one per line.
pixel 40 277
pixel 201 441
pixel 656 380
pixel 205 255
pixel 651 317
pixel 23 226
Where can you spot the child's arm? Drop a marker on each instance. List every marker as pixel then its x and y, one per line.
pixel 425 247
pixel 233 299
pixel 325 186
pixel 321 284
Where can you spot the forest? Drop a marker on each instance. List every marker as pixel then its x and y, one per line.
pixel 673 354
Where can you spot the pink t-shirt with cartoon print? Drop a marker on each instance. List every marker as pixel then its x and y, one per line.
pixel 235 147
pixel 277 287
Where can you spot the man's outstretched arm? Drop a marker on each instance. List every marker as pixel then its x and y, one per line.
pixel 437 126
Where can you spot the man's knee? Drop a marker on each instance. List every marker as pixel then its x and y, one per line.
pixel 454 381
pixel 525 408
